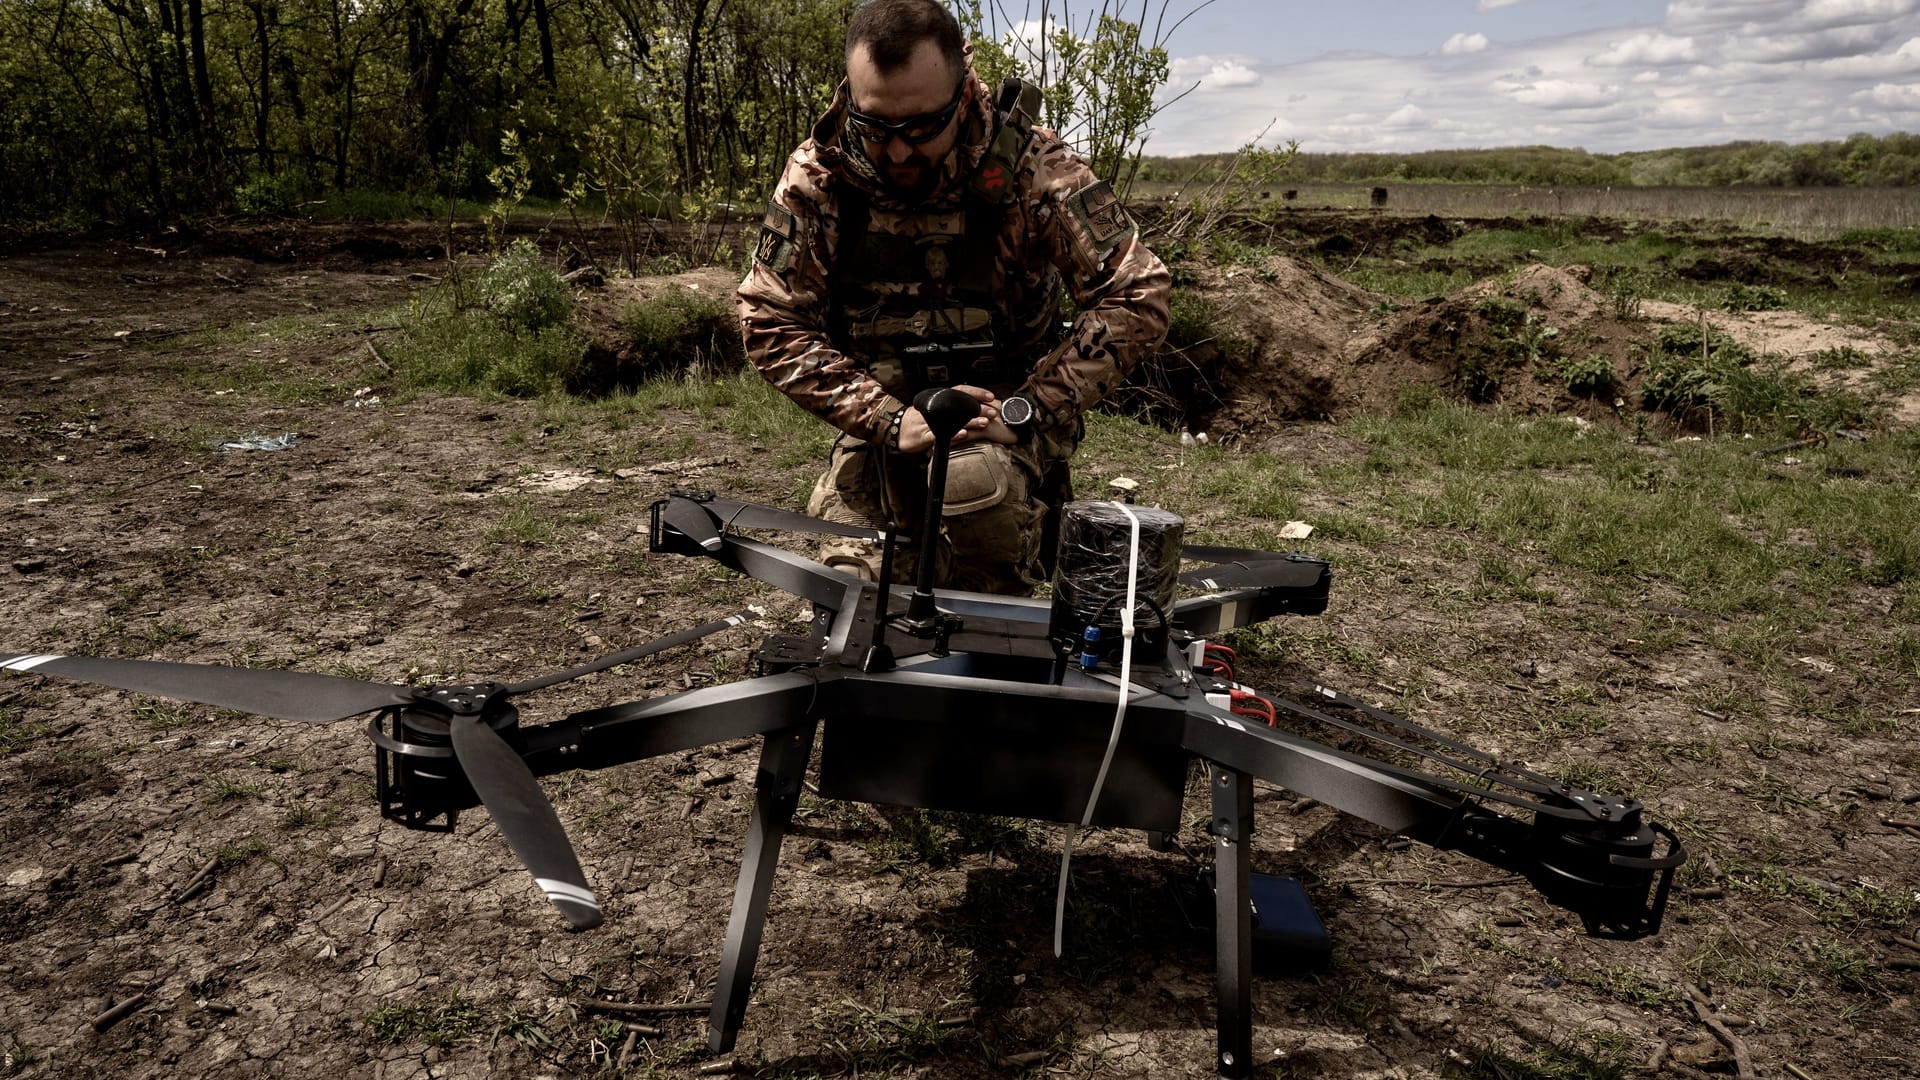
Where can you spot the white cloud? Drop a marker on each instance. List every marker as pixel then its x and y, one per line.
pixel 1651 48
pixel 1561 94
pixel 1406 116
pixel 1815 45
pixel 1701 72
pixel 1212 73
pixel 1850 12
pixel 1893 96
pixel 1490 5
pixel 1900 61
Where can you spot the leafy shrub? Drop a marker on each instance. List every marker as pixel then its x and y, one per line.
pixel 1591 376
pixel 267 197
pixel 1753 298
pixel 682 329
pixel 1723 379
pixel 523 292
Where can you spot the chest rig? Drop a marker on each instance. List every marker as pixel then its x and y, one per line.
pixel 915 301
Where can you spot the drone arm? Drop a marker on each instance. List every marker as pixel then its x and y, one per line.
pixel 618 734
pixel 1602 870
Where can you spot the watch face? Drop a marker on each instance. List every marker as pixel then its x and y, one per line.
pixel 1016 411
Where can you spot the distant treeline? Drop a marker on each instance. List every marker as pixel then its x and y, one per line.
pixel 1856 161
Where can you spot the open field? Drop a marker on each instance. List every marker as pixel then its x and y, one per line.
pixel 1799 212
pixel 1642 607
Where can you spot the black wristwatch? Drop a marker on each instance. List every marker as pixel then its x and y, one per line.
pixel 1017 412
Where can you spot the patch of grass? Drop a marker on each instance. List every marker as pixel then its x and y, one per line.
pixel 523 522
pixel 223 788
pixel 16 733
pixel 863 1038
pixel 440 1024
pixel 1603 1059
pixel 304 815
pixel 159 716
pixel 681 330
pixel 503 333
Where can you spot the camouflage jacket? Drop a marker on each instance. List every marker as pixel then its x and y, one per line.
pixel 1061 225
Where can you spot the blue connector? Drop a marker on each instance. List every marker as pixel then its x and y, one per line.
pixel 1090 659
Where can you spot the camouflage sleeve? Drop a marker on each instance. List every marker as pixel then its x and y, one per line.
pixel 1120 287
pixel 783 303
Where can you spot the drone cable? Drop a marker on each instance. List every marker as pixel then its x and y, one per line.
pixel 1119 716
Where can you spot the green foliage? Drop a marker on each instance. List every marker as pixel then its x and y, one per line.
pixel 1858 161
pixel 523 292
pixel 513 347
pixel 267 196
pixel 1589 376
pixel 439 1024
pixel 1753 298
pixel 682 330
pixel 1099 75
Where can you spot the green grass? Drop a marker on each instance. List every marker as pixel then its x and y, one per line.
pixel 439 1024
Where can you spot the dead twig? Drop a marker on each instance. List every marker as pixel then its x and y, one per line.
pixel 374 350
pixel 1797 1071
pixel 1484 883
pixel 1742 1060
pixel 118 1012
pixel 194 884
pixel 621 1008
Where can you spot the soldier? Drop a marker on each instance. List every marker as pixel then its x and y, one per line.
pixel 920 238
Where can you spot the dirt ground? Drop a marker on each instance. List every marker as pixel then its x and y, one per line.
pixel 397 542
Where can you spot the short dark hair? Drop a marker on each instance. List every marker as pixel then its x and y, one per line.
pixel 892 29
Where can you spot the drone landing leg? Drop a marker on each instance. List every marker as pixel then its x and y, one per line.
pixel 1233 919
pixel 783 766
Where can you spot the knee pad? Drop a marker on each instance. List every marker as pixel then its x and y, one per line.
pixel 980 476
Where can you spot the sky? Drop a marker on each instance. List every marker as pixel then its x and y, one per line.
pixel 1401 75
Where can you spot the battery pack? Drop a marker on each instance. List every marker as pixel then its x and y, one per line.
pixel 1287 934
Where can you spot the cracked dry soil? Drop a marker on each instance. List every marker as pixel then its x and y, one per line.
pixel 390 542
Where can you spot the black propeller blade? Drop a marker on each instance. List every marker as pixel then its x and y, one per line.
pixel 286 695
pixel 734 514
pixel 507 789
pixel 628 656
pixel 1279 571
pixel 691 520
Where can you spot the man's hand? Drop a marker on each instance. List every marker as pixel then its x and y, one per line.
pixel 917 438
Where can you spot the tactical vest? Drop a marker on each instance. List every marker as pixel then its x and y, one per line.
pixel 916 306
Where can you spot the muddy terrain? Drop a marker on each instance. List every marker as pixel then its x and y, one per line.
pixel 186 891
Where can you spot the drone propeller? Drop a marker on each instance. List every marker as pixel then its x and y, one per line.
pixel 742 515
pixel 691 520
pixel 703 518
pixel 285 695
pixel 1273 571
pixel 520 810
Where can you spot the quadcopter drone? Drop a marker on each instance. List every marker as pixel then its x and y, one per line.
pixel 1086 708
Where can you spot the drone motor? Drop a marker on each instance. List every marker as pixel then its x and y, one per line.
pixel 416 776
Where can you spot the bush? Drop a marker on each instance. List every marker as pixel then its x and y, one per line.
pixel 523 292
pixel 524 347
pixel 267 197
pixel 1753 298
pixel 682 329
pixel 1589 377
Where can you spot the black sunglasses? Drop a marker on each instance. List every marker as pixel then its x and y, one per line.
pixel 913 131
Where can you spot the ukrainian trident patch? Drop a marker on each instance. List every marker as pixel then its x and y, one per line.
pixel 777 232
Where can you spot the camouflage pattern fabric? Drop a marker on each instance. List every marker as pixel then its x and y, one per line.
pixel 1061 226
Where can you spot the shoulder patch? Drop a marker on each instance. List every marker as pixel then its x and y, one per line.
pixel 777 233
pixel 1103 217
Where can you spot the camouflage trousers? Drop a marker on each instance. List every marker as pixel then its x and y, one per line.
pixel 999 504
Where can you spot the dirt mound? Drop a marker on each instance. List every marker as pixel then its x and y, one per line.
pixel 1253 346
pixel 1537 341
pixel 643 326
